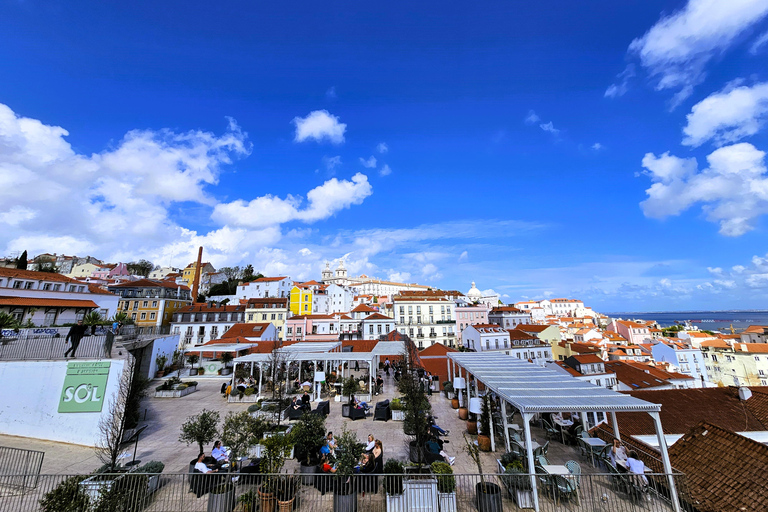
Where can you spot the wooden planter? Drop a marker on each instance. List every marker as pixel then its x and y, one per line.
pixel 463 413
pixel 175 393
pixel 455 403
pixel 472 427
pixel 484 443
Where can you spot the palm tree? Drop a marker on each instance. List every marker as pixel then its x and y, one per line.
pixel 7 322
pixel 93 319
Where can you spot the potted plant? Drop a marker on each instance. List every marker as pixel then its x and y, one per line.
pixel 417 410
pixel 448 389
pixel 472 423
pixel 272 461
pixel 487 494
pixel 446 486
pixel 68 495
pixel 222 498
pixel 201 429
pixel 308 437
pixel 515 478
pixel 193 358
pixel 396 406
pixel 153 469
pixel 201 370
pixel 160 362
pixel 455 398
pixel 248 500
pixel 393 486
pixel 348 453
pixel 484 437
pixel 226 358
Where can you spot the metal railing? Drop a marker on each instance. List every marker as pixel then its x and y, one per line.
pixel 310 492
pixel 19 468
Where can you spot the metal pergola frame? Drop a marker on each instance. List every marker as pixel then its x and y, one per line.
pixel 532 389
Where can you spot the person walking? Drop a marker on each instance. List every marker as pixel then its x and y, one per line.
pixel 75 334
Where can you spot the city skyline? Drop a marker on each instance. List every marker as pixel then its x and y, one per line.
pixel 613 154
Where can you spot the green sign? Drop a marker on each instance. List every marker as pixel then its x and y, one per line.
pixel 84 387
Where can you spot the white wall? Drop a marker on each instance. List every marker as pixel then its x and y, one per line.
pixel 29 402
pixel 165 345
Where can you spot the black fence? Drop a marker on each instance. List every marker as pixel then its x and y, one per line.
pixel 220 492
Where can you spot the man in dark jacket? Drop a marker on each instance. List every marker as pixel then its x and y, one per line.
pixel 76 332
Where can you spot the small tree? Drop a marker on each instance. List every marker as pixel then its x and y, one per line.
pixel 308 436
pixel 201 429
pixel 485 417
pixel 112 425
pixel 7 322
pixel 417 408
pixel 240 432
pixel 21 262
pixel 348 452
pixel 193 359
pixel 93 319
pixel 226 358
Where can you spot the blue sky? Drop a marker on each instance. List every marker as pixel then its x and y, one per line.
pixel 610 151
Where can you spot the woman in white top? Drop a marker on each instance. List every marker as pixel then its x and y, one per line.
pixel 371 444
pixel 636 466
pixel 618 454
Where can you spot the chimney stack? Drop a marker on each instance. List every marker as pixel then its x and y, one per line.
pixel 196 281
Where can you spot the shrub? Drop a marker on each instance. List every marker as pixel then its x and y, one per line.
pixel 66 497
pixel 249 391
pixel 308 436
pixel 201 371
pixel 255 407
pixel 396 405
pixel 182 386
pixel 448 386
pixel 153 466
pixel 393 481
pixel 191 383
pixel 446 482
pixel 350 386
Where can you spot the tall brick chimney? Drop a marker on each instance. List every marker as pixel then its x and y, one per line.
pixel 196 281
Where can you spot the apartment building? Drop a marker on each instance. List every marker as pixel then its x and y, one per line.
pixel 426 317
pixel 198 324
pixel 269 309
pixel 151 303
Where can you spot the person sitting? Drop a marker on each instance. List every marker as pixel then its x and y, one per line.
pixel 296 404
pixel 365 462
pixel 326 466
pixel 618 454
pixel 330 442
pixel 359 403
pixel 434 448
pixel 201 466
pixel 251 382
pixel 241 385
pixel 371 444
pixel 636 466
pixel 435 428
pixel 305 399
pixel 219 453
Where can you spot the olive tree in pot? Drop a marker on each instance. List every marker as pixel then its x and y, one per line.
pixel 393 486
pixel 201 429
pixel 484 437
pixel 308 437
pixel 345 490
pixel 446 486
pixel 487 494
pixel 275 489
pixel 193 359
pixel 226 358
pixel 417 410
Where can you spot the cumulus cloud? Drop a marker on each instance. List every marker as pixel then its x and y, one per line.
pixel 727 116
pixel 400 277
pixel 319 125
pixel 332 162
pixel 597 146
pixel 759 43
pixel 676 50
pixel 382 147
pixel 370 163
pixel 322 201
pixel 733 190
pixel 116 200
pixel 549 127
pixel 385 170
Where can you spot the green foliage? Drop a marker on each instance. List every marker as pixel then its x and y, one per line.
pixel 249 391
pixel 226 358
pixel 248 498
pixel 241 431
pixel 201 429
pixel 446 482
pixel 193 359
pixel 485 416
pixel 416 408
pixel 393 481
pixel 140 268
pixel 254 407
pixel 66 497
pixel 124 495
pixel 348 452
pixel 474 453
pixel 350 386
pixel 273 455
pixel 396 404
pixel 153 466
pixel 93 318
pixel 160 362
pixel 308 436
pixel 21 262
pixel 448 387
pixel 7 322
pixel 509 458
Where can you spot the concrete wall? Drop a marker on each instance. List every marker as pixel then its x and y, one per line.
pixel 165 345
pixel 29 402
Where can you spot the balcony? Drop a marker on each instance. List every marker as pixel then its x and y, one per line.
pixel 449 321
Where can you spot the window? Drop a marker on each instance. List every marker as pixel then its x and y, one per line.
pixel 28 285
pixel 263 316
pixel 145 304
pixel 370 329
pixel 289 330
pixel 298 330
pixel 56 287
pixel 154 303
pixel 143 316
pixel 272 317
pixel 133 315
pixel 250 316
pixel 279 316
pixel 151 315
pixel 17 284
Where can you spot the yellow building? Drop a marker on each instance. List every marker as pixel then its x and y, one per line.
pixel 301 299
pixel 270 309
pixel 188 274
pixel 151 303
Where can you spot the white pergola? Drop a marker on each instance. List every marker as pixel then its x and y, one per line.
pixel 332 360
pixel 218 348
pixel 532 389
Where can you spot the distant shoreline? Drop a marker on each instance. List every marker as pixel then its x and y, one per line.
pixel 750 311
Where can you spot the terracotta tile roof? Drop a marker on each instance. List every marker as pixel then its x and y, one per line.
pixel 756 329
pixel 517 334
pixel 588 359
pixel 507 309
pixel 312 317
pixel 633 325
pixel 751 348
pixel 657 372
pixel 34 275
pixel 378 316
pixel 681 409
pixel 533 327
pixel 438 349
pixel 46 302
pixel 246 330
pixel 567 368
pixel 95 288
pixel 724 471
pixel 360 345
pixel 256 303
pixel 633 377
pixel 363 308
pixel 717 343
pixel 584 348
pixel 268 279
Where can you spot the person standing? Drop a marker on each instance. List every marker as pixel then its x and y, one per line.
pixel 75 334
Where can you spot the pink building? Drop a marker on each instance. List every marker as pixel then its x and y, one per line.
pixel 475 314
pixel 633 332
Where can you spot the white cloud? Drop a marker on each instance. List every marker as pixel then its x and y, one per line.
pixel 332 162
pixel 759 42
pixel 464 256
pixel 382 147
pixel 305 252
pixel 319 125
pixel 430 272
pixel 385 170
pixel 597 146
pixel 549 127
pixel 733 190
pixel 370 163
pixel 620 88
pixel 676 50
pixel 738 268
pixel 532 117
pixel 727 116
pixel 400 277
pixel 715 271
pixel 322 202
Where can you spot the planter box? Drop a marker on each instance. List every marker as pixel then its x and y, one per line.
pixel 396 503
pixel 92 487
pixel 421 493
pixel 398 415
pixel 247 399
pixel 153 484
pixel 447 501
pixel 175 393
